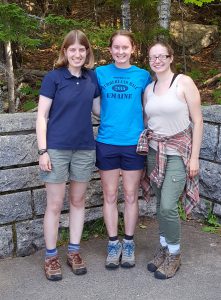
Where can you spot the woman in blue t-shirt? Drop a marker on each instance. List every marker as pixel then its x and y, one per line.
pixel 66 145
pixel 122 86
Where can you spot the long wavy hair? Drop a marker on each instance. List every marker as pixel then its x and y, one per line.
pixel 72 37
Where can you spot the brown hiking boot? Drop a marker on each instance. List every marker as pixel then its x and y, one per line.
pixel 169 267
pixel 52 268
pixel 75 261
pixel 158 259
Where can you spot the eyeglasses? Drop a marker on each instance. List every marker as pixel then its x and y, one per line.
pixel 161 57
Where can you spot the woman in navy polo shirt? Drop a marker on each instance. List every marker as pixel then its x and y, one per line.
pixel 66 145
pixel 122 86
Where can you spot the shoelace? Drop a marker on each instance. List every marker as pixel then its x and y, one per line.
pixel 76 257
pixel 112 250
pixel 128 249
pixel 54 263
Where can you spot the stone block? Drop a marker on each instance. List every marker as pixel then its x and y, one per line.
pixel 6 242
pixel 203 208
pixel 40 201
pixel 18 149
pixel 145 208
pixel 30 237
pixel 15 207
pixel 212 113
pixel 17 122
pixel 218 157
pixel 210 141
pixel 217 209
pixel 19 178
pixel 90 214
pixel 94 195
pixel 210 178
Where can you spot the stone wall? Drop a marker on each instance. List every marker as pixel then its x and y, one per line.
pixel 210 162
pixel 23 197
pixel 22 194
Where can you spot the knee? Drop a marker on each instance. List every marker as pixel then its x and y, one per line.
pixel 77 202
pixel 168 211
pixel 110 197
pixel 54 208
pixel 130 197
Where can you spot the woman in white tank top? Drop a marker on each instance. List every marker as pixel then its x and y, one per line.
pixel 171 104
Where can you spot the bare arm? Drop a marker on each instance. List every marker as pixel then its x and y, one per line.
pixel 144 105
pixel 192 97
pixel 96 108
pixel 44 106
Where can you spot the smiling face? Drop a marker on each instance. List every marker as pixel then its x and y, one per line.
pixel 121 50
pixel 159 58
pixel 76 55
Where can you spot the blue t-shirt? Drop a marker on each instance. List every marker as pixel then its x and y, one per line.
pixel 69 126
pixel 121 104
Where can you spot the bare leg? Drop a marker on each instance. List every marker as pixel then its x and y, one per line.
pixel 110 180
pixel 77 210
pixel 55 198
pixel 131 182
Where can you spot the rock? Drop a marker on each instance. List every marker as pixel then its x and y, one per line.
pixel 196 36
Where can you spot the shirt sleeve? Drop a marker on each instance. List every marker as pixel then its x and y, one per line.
pixel 48 86
pixel 147 80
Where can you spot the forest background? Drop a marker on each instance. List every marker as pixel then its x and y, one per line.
pixel 31 32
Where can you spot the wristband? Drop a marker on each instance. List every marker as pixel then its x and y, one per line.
pixel 42 151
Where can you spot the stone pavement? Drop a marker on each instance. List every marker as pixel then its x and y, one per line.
pixel 199 277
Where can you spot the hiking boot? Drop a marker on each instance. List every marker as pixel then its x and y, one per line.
pixel 169 267
pixel 76 263
pixel 158 259
pixel 114 255
pixel 128 258
pixel 52 268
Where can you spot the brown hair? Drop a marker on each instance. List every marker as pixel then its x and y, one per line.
pixel 72 37
pixel 169 50
pixel 124 33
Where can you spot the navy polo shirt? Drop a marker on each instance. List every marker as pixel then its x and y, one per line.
pixel 69 125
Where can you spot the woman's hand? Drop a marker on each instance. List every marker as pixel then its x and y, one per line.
pixel 193 167
pixel 45 162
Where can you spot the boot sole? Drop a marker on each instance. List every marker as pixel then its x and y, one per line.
pixel 127 265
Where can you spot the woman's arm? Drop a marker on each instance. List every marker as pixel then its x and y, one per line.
pixel 44 106
pixel 192 96
pixel 96 108
pixel 144 105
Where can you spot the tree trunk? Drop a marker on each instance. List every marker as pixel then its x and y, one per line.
pixel 164 13
pixel 10 77
pixel 126 19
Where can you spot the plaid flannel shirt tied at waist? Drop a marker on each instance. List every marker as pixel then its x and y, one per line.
pixel 182 143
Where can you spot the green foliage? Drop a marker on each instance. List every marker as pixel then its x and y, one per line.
pixel 63 237
pixel 28 105
pixel 29 96
pixel 195 74
pixel 181 211
pixel 198 2
pixel 217 96
pixel 17 26
pixel 58 26
pixel 211 224
pixel 97 228
pixel 213 72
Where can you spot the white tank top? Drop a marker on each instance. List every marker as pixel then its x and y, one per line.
pixel 167 114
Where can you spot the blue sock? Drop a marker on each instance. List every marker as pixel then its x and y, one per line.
pixel 51 252
pixel 73 247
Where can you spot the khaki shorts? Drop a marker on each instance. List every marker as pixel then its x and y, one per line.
pixel 76 165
